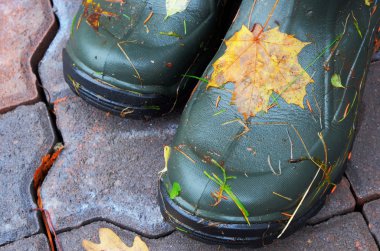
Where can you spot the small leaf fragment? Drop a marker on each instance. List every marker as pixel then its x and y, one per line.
pixel 167 152
pixel 175 6
pixel 110 241
pixel 368 2
pixel 336 81
pixel 356 24
pixel 175 191
pixel 171 34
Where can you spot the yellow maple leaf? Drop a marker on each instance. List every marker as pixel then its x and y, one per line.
pixel 109 241
pixel 259 63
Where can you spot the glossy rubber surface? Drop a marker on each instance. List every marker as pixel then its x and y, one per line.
pixel 131 60
pixel 284 160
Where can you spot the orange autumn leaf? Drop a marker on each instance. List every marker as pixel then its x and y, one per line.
pixel 46 163
pixel 87 4
pixel 377 45
pixel 260 63
pixel 94 19
pixel 39 175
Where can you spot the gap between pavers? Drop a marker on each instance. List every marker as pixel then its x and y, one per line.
pixel 363 169
pixel 26 135
pixel 35 243
pixel 22 43
pixel 340 202
pixel 51 67
pixel 371 212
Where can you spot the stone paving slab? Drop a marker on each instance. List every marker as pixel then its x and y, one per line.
pixel 51 66
pixel 348 232
pixel 340 202
pixel 24 26
pixel 108 169
pixel 34 243
pixel 376 56
pixel 26 136
pixel 364 167
pixel 371 211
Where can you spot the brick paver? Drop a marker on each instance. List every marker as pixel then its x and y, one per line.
pixel 50 69
pixel 109 169
pixel 364 168
pixel 340 202
pixel 34 243
pixel 25 24
pixel 376 57
pixel 371 211
pixel 26 136
pixel 348 232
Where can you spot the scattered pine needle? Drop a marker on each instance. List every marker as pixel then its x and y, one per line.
pixel 60 100
pixel 349 155
pixel 309 106
pixel 148 18
pixel 126 111
pixel 220 112
pixel 184 154
pixel 218 101
pixel 300 204
pixel 138 76
pixel 287 214
pixel 282 196
pixel 346 111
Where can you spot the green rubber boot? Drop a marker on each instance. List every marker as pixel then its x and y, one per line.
pixel 130 57
pixel 266 134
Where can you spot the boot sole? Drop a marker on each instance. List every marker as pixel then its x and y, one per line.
pixel 123 103
pixel 255 235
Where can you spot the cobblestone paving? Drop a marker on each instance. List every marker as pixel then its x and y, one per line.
pixel 363 170
pixel 372 213
pixel 34 243
pixel 108 169
pixel 326 236
pixel 107 174
pixel 21 44
pixel 26 136
pixel 50 69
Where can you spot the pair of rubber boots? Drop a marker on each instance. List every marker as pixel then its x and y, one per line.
pixel 268 129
